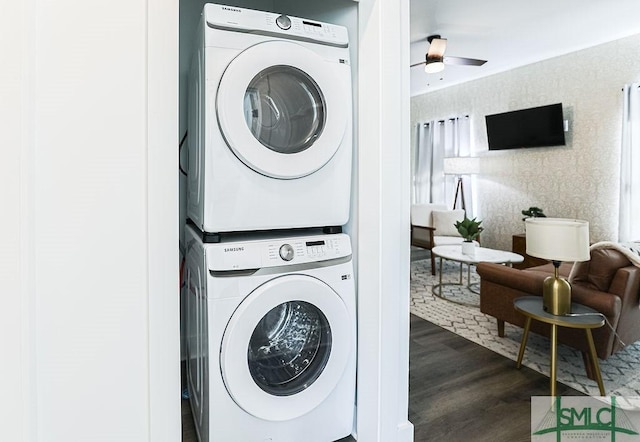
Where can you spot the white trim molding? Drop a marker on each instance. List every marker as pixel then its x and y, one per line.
pixel 383 227
pixel 162 221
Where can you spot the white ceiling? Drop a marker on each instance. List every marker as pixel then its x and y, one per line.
pixel 512 33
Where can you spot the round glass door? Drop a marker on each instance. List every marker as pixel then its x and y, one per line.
pixel 286 347
pixel 283 109
pixel 289 348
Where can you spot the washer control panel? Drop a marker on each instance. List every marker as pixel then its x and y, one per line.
pixel 258 254
pixel 268 23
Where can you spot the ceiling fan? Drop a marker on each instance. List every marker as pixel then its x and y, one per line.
pixel 435 59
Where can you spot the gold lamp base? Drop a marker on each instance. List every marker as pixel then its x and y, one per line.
pixel 556 294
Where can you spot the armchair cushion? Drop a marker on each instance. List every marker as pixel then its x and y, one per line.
pixel 598 272
pixel 444 221
pixel 423 231
pixel 421 214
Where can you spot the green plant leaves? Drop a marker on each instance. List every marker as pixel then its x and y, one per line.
pixel 533 212
pixel 469 229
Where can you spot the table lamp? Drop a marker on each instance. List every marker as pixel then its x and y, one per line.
pixel 557 239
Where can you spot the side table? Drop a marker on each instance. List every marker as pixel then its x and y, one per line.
pixel 585 318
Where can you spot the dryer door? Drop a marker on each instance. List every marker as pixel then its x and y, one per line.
pixel 286 347
pixel 283 109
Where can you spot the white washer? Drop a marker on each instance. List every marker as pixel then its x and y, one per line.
pixel 271 338
pixel 270 122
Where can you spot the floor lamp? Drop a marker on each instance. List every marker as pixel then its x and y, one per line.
pixel 460 166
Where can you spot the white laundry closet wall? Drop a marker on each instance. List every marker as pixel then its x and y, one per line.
pixel 88 304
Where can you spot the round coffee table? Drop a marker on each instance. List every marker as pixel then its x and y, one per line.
pixel 482 254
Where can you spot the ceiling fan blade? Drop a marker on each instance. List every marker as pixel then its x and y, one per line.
pixel 435 56
pixel 462 61
pixel 419 40
pixel 437 47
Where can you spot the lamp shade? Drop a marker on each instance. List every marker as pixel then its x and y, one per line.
pixel 558 239
pixel 461 165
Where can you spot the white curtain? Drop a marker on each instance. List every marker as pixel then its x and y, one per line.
pixel 629 228
pixel 423 163
pixel 436 140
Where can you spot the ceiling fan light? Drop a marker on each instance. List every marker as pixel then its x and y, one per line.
pixel 433 66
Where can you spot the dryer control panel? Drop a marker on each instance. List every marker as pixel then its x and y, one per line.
pixel 247 255
pixel 268 23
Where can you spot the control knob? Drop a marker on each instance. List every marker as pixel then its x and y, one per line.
pixel 286 252
pixel 283 22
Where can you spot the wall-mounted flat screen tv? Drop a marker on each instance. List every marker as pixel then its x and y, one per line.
pixel 533 127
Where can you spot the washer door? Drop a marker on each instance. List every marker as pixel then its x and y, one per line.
pixel 282 109
pixel 286 347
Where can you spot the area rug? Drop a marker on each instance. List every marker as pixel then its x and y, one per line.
pixel 620 372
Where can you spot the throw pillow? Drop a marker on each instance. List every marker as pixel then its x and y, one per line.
pixel 444 221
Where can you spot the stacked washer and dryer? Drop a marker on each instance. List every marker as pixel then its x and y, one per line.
pixel 270 296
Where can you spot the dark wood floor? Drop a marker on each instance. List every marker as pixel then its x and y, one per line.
pixel 459 391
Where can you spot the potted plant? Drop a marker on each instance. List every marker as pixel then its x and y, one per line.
pixel 469 229
pixel 533 212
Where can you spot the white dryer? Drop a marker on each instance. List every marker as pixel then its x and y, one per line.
pixel 271 345
pixel 270 122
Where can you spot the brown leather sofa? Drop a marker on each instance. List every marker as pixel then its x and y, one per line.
pixel 608 283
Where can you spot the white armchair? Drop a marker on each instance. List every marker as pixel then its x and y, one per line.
pixel 433 225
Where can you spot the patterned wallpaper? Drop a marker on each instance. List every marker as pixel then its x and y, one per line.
pixel 579 180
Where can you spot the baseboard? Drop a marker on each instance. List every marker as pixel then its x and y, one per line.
pixel 405 432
